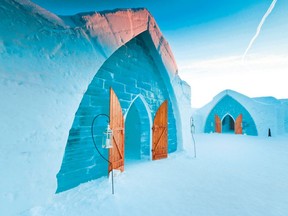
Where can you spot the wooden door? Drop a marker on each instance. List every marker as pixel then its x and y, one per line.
pixel 116 153
pixel 160 134
pixel 217 124
pixel 238 124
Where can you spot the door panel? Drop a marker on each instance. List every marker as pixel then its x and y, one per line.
pixel 217 124
pixel 160 133
pixel 238 124
pixel 116 154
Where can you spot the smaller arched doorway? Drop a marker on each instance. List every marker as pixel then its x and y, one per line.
pixel 228 124
pixel 137 131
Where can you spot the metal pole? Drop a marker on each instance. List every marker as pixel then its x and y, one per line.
pixel 194 145
pixel 112 182
pixel 191 127
pixel 92 134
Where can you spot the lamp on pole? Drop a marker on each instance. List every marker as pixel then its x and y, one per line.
pixel 106 142
pixel 192 127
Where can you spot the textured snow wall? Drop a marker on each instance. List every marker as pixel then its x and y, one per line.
pixel 46 65
pixel 228 105
pixel 132 73
pixel 286 119
pixel 266 112
pixel 285 108
pixel 279 108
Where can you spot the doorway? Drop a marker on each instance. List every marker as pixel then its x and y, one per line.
pixel 137 132
pixel 228 124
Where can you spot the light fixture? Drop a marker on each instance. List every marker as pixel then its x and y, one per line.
pixel 106 142
pixel 107 139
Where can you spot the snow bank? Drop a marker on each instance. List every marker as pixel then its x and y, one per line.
pixel 46 65
pixel 232 175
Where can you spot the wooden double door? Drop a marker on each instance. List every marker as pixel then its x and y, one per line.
pixel 159 133
pixel 237 124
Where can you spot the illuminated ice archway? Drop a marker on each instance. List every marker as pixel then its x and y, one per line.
pixel 228 109
pixel 228 124
pixel 135 74
pixel 138 124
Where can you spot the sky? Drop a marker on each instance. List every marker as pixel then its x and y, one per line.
pixel 240 45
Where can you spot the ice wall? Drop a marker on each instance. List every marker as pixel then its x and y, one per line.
pixel 46 65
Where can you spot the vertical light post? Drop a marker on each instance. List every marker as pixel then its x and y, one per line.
pixel 106 142
pixel 192 130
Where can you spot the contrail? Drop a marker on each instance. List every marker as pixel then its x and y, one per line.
pixel 259 27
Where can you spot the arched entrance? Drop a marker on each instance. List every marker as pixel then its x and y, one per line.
pixel 132 71
pixel 137 131
pixel 242 120
pixel 228 124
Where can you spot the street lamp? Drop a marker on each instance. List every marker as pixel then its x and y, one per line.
pixel 106 142
pixel 192 130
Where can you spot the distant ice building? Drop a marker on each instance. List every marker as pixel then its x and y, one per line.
pixel 232 112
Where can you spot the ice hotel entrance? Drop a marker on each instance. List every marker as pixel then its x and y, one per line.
pixel 146 102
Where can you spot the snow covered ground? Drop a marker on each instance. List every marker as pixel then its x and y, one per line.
pixel 232 175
